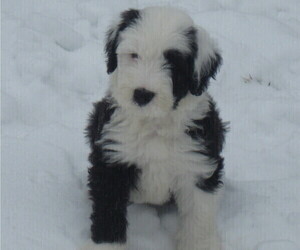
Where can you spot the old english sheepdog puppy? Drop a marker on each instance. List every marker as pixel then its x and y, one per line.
pixel 156 136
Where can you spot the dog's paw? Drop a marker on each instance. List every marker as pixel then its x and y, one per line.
pixel 216 244
pixel 103 246
pixel 212 244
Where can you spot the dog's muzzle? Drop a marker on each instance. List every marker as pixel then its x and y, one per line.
pixel 142 96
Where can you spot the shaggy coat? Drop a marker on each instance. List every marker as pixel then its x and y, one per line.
pixel 157 134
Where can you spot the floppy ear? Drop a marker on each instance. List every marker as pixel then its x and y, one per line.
pixel 127 18
pixel 110 49
pixel 207 63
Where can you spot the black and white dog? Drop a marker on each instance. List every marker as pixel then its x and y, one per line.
pixel 157 135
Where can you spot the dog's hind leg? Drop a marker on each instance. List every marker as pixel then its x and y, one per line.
pixel 197 217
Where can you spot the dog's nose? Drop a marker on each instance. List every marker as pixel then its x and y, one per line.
pixel 142 96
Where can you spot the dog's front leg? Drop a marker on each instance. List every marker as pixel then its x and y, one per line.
pixel 109 191
pixel 197 217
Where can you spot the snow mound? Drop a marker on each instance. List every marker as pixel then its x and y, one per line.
pixel 60 32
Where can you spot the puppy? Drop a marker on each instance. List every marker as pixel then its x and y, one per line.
pixel 156 136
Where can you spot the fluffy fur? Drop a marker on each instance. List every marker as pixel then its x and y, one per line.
pixel 149 150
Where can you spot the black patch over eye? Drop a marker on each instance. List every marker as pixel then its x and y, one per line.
pixel 181 65
pixel 134 55
pixel 128 18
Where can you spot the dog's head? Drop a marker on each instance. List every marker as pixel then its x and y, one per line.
pixel 157 57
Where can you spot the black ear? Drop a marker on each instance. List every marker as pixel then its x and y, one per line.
pixel 209 69
pixel 128 18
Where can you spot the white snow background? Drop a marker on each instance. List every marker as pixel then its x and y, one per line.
pixel 53 69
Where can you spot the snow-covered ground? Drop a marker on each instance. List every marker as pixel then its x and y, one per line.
pixel 53 69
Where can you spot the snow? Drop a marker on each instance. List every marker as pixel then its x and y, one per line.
pixel 53 69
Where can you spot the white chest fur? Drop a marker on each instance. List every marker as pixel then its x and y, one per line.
pixel 160 148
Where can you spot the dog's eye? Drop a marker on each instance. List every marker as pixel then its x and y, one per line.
pixel 134 55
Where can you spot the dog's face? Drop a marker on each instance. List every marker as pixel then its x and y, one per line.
pixel 157 57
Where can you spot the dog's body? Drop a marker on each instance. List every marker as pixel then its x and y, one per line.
pixel 157 135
